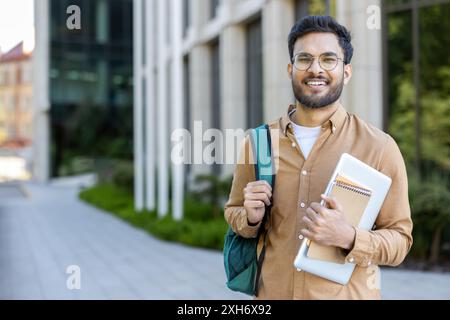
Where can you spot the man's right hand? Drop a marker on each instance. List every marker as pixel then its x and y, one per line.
pixel 257 195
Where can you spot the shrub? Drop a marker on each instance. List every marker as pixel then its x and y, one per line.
pixel 212 190
pixel 430 206
pixel 123 175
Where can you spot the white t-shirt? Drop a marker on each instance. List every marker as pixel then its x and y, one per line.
pixel 306 137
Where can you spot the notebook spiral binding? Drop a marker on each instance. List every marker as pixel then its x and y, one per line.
pixel 361 191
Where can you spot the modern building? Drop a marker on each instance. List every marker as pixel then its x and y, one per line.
pixel 83 77
pixel 16 108
pixel 222 64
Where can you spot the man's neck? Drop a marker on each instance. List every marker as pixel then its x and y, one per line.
pixel 308 117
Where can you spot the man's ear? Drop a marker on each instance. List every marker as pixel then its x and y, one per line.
pixel 289 70
pixel 347 73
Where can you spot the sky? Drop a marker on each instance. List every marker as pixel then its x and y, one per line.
pixel 16 23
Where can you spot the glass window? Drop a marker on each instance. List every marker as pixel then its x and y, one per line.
pixel 216 106
pixel 90 92
pixel 419 104
pixel 254 75
pixel 186 16
pixel 214 4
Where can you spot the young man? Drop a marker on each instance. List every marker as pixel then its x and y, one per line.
pixel 313 134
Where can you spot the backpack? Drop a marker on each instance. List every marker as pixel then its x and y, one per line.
pixel 242 265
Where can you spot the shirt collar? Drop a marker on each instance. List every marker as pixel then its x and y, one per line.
pixel 335 121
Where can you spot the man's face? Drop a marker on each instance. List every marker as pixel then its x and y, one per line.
pixel 316 87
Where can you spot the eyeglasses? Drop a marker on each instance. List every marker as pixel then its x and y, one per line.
pixel 327 61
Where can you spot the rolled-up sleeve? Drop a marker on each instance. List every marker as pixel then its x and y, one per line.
pixel 235 213
pixel 391 240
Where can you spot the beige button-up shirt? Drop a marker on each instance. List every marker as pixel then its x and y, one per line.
pixel 299 182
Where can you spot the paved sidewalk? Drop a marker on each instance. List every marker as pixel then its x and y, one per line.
pixel 40 236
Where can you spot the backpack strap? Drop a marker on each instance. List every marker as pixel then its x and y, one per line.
pixel 262 148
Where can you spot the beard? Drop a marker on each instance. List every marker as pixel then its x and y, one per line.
pixel 316 101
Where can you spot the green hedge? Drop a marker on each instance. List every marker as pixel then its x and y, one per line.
pixel 197 227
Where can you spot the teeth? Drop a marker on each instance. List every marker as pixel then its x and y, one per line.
pixel 316 83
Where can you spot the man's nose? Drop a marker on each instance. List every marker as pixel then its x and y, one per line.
pixel 315 67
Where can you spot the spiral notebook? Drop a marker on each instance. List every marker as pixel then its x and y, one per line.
pixel 361 189
pixel 354 198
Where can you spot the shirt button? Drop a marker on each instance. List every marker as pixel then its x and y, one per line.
pixel 333 129
pixel 300 237
pixel 302 205
pixel 293 144
pixel 304 172
pixel 351 260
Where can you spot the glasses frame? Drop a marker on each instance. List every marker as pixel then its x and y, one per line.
pixel 312 61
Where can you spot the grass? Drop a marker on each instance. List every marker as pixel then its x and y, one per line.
pixel 197 228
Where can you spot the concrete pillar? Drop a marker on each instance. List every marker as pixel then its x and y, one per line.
pixel 162 138
pixel 199 12
pixel 138 138
pixel 277 19
pixel 177 104
pixel 41 100
pixel 233 86
pixel 363 95
pixel 200 86
pixel 150 107
pixel 200 77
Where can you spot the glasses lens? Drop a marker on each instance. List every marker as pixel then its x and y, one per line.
pixel 302 62
pixel 328 62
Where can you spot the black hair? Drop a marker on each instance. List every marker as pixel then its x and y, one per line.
pixel 321 24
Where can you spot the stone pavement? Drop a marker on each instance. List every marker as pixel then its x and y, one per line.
pixel 44 229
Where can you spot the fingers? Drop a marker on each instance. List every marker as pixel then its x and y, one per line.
pixel 319 208
pixel 260 183
pixel 332 202
pixel 313 220
pixel 311 214
pixel 258 187
pixel 307 234
pixel 254 204
pixel 258 196
pixel 309 223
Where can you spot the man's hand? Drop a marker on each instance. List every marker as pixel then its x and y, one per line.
pixel 257 195
pixel 328 226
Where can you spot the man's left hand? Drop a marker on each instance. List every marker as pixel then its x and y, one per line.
pixel 328 226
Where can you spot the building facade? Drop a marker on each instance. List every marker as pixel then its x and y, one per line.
pixel 16 108
pixel 201 64
pixel 223 64
pixel 85 101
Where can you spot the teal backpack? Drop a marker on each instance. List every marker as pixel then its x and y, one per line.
pixel 242 266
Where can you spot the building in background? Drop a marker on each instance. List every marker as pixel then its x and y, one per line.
pixel 223 62
pixel 84 102
pixel 16 108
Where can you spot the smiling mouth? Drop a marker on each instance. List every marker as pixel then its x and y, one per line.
pixel 316 83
